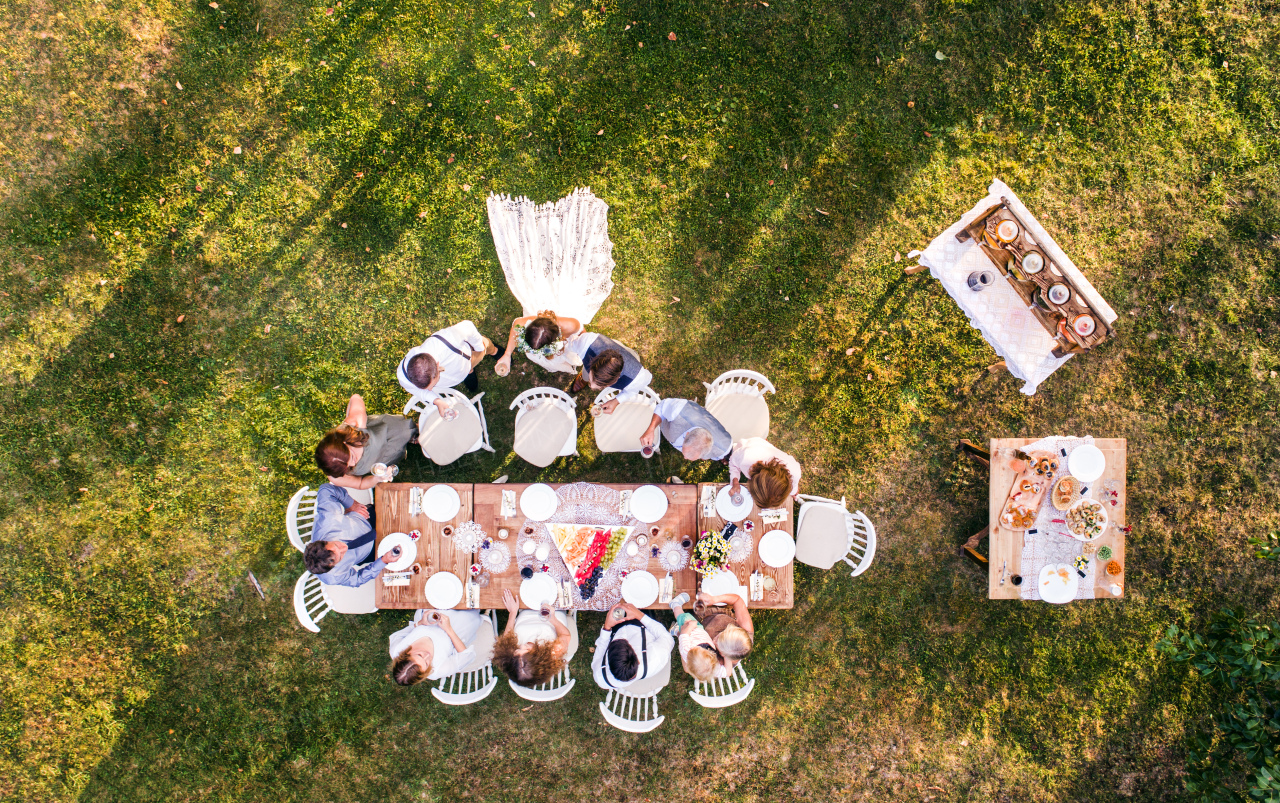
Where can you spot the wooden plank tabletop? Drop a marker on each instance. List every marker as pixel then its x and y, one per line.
pixel 1006 545
pixel 435 552
pixel 681 519
pixel 784 595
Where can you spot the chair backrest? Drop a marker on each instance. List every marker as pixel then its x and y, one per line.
pixel 553 689
pixel 534 396
pixel 645 394
pixel 631 714
pixel 308 603
pixel 301 517
pixel 471 685
pixel 740 381
pixel 723 692
pixel 862 542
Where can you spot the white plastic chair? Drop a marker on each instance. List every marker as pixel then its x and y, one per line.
pixel 645 396
pixel 419 405
pixel 313 600
pixel 635 709
pixel 723 692
pixel 721 403
pixel 301 517
pixel 860 533
pixel 474 683
pixel 553 689
pixel 535 396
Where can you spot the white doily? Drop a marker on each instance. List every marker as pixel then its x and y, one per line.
pixel 672 556
pixel 740 545
pixel 467 536
pixel 1046 541
pixel 496 557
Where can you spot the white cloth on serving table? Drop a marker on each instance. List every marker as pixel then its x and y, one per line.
pixel 1050 543
pixel 556 256
pixel 998 312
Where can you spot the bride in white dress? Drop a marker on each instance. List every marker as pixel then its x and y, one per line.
pixel 558 261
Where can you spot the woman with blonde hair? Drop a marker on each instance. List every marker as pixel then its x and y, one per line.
pixel 434 645
pixel 773 476
pixel 348 452
pixel 536 645
pixel 698 654
pixel 731 635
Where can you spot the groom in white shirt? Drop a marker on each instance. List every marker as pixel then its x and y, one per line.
pixel 631 647
pixel 444 360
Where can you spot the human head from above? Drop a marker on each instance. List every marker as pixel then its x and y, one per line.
pixel 411 666
pixel 541 331
pixel 422 370
pixel 622 660
pixel 335 454
pixel 697 444
pixel 529 664
pixel 734 643
pixel 321 556
pixel 701 663
pixel 605 369
pixel 769 483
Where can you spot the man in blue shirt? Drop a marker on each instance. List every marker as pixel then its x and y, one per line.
pixel 341 540
pixel 691 428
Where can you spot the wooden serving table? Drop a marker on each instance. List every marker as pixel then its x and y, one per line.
pixel 435 552
pixel 784 577
pixel 1006 544
pixel 680 519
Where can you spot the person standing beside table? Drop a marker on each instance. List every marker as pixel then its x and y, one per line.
pixel 773 476
pixel 690 428
pixel 341 540
pixel 536 645
pixel 434 645
pixel 631 647
pixel 606 363
pixel 698 653
pixel 348 452
pixel 444 360
pixel 732 635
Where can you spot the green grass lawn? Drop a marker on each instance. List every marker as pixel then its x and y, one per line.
pixel 182 322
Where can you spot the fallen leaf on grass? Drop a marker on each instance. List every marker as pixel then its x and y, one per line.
pixel 848 352
pixel 675 299
pixel 344 225
pixel 328 12
pixel 236 150
pixel 359 175
pixel 178 84
pixel 85 491
pixel 162 382
pixel 672 36
pixel 151 507
pixel 897 257
pixel 601 131
pixel 531 14
pixel 181 318
pixel 262 468
pixel 266 330
pixel 939 56
pixel 821 212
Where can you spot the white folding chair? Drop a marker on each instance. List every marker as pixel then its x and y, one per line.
pixel 723 692
pixel 736 399
pixel 826 532
pixel 646 398
pixel 418 405
pixel 533 399
pixel 635 708
pixel 553 689
pixel 478 680
pixel 313 600
pixel 301 517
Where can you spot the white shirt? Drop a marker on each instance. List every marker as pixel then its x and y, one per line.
pixel 750 451
pixel 658 649
pixel 465 337
pixel 445 659
pixel 668 409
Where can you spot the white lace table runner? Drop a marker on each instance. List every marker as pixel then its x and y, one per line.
pixel 998 312
pixel 1046 541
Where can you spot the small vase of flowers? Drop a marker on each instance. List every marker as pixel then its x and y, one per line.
pixel 711 553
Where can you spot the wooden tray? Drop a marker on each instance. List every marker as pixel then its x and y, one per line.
pixel 1028 499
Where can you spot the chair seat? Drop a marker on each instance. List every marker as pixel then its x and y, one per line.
pixel 442 441
pixel 621 430
pixel 541 433
pixel 483 645
pixel 745 415
pixel 346 599
pixel 823 537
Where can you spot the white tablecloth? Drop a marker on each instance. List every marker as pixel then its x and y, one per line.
pixel 1050 542
pixel 998 312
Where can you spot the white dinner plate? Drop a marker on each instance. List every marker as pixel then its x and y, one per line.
pixel 408 551
pixel 640 589
pixel 648 504
pixel 723 582
pixel 443 590
pixel 441 503
pixel 1051 587
pixel 538 589
pixel 728 510
pixel 1086 463
pixel 539 502
pixel 776 548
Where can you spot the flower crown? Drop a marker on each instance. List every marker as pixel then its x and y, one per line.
pixel 548 351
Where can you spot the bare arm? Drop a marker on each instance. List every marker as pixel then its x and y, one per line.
pixel 447 627
pixel 357 415
pixel 743 615
pixel 568 326
pixel 357 483
pixel 513 608
pixel 647 438
pixel 563 636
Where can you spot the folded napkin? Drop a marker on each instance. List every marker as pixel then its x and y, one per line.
pixel 508 504
pixel 773 515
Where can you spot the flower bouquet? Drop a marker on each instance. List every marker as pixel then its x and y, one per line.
pixel 711 553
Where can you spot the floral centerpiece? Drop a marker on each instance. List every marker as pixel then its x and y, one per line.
pixel 711 553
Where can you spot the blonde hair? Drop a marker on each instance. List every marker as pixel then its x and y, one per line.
pixel 700 440
pixel 406 672
pixel 734 642
pixel 701 663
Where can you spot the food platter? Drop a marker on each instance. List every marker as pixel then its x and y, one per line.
pixel 1087 520
pixel 1065 493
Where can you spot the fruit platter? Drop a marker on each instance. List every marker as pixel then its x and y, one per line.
pixel 587 550
pixel 1086 520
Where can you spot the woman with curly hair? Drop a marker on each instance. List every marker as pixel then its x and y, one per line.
pixel 536 645
pixel 348 452
pixel 434 645
pixel 773 476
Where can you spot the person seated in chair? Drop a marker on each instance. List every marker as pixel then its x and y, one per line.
pixel 434 645
pixel 341 540
pixel 535 646
pixel 444 360
pixel 606 363
pixel 773 476
pixel 690 428
pixel 630 648
pixel 349 451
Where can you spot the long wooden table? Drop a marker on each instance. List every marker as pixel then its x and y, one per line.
pixel 1006 544
pixel 435 552
pixel 783 595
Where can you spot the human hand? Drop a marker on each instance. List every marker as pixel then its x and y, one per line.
pixel 360 510
pixel 432 617
pixel 544 610
pixel 394 553
pixel 509 601
pixel 734 488
pixel 504 366
pixel 444 623
pixel 647 438
pixel 608 407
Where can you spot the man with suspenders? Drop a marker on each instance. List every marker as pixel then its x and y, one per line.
pixel 631 647
pixel 444 360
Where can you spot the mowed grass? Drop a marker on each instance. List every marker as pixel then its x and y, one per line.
pixel 182 322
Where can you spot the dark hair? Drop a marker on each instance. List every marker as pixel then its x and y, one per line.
pixel 422 370
pixel 541 332
pixel 405 671
pixel 607 367
pixel 769 483
pixel 333 452
pixel 623 661
pixel 318 558
pixel 534 668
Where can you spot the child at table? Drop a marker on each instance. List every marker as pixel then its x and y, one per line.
pixel 536 645
pixel 698 654
pixel 731 637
